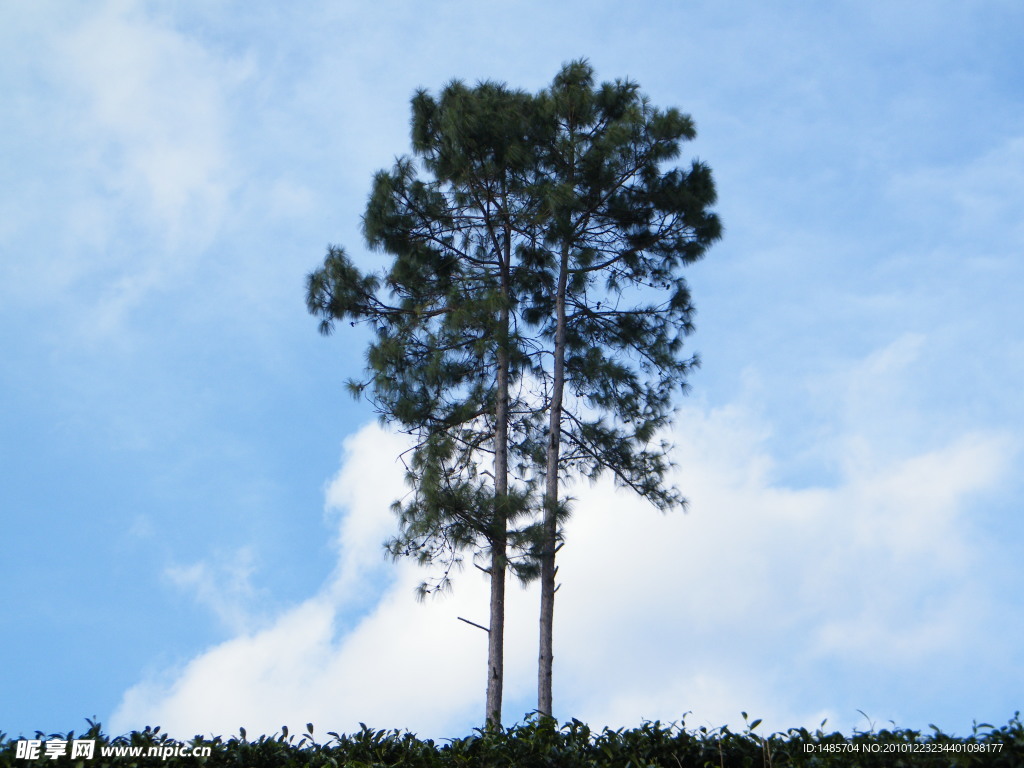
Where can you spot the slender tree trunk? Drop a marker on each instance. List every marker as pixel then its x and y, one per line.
pixel 496 635
pixel 499 542
pixel 548 569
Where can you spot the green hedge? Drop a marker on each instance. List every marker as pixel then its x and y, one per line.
pixel 540 743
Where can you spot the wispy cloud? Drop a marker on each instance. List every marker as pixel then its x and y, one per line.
pixel 152 112
pixel 127 167
pixel 225 587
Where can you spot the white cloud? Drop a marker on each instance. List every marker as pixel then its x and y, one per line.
pixel 124 141
pixel 784 602
pixel 714 611
pixel 153 112
pixel 370 479
pixel 974 196
pixel 224 587
pixel 322 661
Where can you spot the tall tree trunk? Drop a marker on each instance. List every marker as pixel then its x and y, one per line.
pixel 496 633
pixel 548 569
pixel 499 542
pixel 496 636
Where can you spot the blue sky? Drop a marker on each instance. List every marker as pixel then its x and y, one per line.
pixel 193 507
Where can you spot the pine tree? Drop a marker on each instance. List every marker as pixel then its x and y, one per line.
pixel 609 300
pixel 446 347
pixel 533 317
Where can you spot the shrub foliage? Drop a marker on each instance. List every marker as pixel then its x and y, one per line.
pixel 540 743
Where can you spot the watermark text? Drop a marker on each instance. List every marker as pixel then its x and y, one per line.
pixel 85 749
